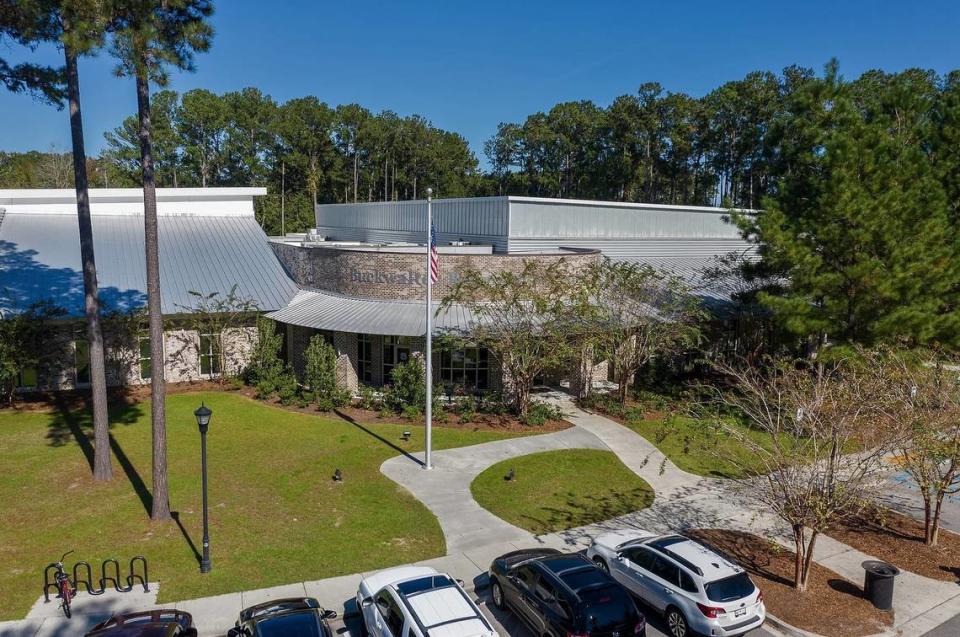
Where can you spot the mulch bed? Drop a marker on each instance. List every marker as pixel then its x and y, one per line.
pixel 898 539
pixel 831 605
pixel 58 401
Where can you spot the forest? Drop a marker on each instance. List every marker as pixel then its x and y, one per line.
pixel 655 146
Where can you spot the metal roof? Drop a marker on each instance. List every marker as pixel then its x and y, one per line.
pixel 323 310
pixel 40 260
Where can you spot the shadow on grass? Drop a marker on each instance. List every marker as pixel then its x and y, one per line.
pixel 347 417
pixel 186 536
pixel 581 511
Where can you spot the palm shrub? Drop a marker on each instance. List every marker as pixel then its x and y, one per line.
pixel 320 376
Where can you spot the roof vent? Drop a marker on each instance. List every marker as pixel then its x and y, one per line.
pixel 459 243
pixel 314 237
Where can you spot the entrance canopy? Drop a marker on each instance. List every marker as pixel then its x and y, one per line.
pixel 328 311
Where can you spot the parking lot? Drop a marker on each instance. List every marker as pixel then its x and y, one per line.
pixel 507 624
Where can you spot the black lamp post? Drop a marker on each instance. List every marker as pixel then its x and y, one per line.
pixel 203 414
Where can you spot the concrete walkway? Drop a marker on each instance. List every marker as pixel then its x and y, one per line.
pixel 446 489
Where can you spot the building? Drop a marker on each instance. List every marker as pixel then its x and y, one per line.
pixel 357 278
pixel 361 269
pixel 209 243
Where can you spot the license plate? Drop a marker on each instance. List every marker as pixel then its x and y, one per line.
pixel 740 612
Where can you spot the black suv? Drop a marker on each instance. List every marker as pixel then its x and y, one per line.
pixel 292 617
pixel 563 594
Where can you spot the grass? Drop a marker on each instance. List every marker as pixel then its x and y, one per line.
pixel 556 490
pixel 275 514
pixel 700 447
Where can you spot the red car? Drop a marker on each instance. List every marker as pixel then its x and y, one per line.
pixel 148 623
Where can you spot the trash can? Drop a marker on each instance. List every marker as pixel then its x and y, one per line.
pixel 878 583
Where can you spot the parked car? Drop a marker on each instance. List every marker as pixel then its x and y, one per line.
pixel 417 601
pixel 696 589
pixel 148 623
pixel 290 617
pixel 563 595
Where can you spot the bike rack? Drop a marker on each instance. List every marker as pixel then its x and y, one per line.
pixel 109 573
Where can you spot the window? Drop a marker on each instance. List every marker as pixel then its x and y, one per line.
pixel 364 358
pixel 391 613
pixel 667 571
pixel 27 377
pixel 467 367
pixel 81 353
pixel 396 350
pixel 545 591
pixel 641 557
pixel 209 354
pixel 527 577
pixel 144 357
pixel 687 583
pixel 730 588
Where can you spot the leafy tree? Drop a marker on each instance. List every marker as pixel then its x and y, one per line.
pixel 639 314
pixel 149 36
pixel 526 319
pixel 320 375
pixel 202 128
pixel 267 371
pixel 23 346
pixel 123 143
pixel 225 317
pixel 859 225
pixel 248 139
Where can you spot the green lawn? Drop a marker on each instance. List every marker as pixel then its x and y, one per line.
pixel 700 447
pixel 557 490
pixel 275 514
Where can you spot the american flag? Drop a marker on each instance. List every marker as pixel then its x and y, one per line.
pixel 434 255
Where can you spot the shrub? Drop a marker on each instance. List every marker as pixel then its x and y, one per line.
pixel 541 413
pixel 320 375
pixel 466 408
pixel 267 372
pixel 369 398
pixel 407 387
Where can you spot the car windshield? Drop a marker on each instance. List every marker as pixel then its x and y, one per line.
pixel 304 624
pixel 608 608
pixel 730 588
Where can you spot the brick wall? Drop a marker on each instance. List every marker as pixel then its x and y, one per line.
pixel 393 275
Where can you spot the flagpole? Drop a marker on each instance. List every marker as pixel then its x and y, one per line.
pixel 428 416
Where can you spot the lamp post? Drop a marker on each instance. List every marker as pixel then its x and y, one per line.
pixel 203 414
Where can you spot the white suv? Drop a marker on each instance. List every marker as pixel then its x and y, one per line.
pixel 417 601
pixel 695 588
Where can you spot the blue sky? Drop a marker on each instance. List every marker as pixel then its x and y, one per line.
pixel 468 66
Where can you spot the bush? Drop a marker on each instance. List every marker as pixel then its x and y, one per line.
pixel 320 375
pixel 407 390
pixel 267 372
pixel 369 399
pixel 466 408
pixel 541 413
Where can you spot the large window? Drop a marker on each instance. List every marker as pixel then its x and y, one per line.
pixel 468 367
pixel 81 359
pixel 144 355
pixel 396 350
pixel 209 354
pixel 364 358
pixel 28 377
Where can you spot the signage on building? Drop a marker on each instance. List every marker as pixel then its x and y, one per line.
pixel 375 276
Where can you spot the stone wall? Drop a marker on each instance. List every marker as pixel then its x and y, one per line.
pixel 122 359
pixel 380 274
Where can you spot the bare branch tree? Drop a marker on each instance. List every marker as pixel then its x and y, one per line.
pixel 821 454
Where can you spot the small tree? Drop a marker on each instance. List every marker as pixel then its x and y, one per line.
pixel 814 418
pixel 266 371
pixel 924 407
pixel 525 319
pixel 320 375
pixel 640 314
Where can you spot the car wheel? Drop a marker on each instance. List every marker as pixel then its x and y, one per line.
pixel 496 591
pixel 601 564
pixel 677 623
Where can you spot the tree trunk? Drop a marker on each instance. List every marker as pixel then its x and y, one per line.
pixel 102 469
pixel 798 583
pixel 927 518
pixel 933 535
pixel 161 503
pixel 808 560
pixel 356 175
